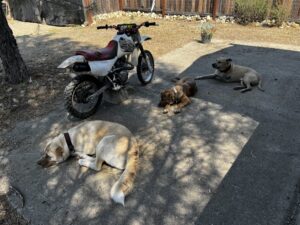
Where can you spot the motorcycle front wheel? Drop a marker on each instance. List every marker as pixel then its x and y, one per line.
pixel 76 96
pixel 145 74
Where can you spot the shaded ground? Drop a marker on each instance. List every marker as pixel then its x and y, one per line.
pixel 8 215
pixel 228 158
pixel 44 47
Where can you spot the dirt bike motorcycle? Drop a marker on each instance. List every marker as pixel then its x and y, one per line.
pixel 94 72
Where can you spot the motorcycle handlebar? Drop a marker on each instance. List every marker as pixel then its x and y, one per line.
pixel 105 27
pixel 146 24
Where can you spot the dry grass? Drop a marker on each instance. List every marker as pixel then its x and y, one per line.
pixel 174 34
pixel 250 33
pixel 40 97
pixel 167 36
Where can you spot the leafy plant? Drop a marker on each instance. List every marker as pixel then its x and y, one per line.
pixel 258 10
pixel 207 29
pixel 251 11
pixel 281 12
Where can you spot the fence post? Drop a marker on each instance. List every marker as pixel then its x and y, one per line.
pixel 163 7
pixel 216 4
pixel 121 5
pixel 88 13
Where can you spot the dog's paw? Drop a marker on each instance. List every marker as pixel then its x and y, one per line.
pixel 165 111
pixel 82 162
pixel 85 163
pixel 176 111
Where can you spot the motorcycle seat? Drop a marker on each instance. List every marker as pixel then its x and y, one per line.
pixel 109 52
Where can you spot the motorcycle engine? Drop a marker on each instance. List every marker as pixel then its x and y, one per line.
pixel 122 77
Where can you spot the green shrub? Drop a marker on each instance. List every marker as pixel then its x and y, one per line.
pixel 207 28
pixel 248 11
pixel 280 13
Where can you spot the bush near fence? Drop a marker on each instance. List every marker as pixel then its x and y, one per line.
pixel 251 11
pixel 259 10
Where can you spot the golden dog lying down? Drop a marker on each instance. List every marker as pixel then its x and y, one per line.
pixel 111 143
pixel 178 95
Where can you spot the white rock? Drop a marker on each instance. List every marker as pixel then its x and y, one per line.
pixel 9 89
pixel 295 25
pixel 15 100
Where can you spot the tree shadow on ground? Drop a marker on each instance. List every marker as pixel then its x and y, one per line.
pixel 207 165
pixel 42 54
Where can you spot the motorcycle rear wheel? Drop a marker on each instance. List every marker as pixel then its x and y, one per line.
pixel 76 94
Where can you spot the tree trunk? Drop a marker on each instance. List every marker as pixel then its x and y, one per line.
pixel 13 64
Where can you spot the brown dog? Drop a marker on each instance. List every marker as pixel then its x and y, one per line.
pixel 178 95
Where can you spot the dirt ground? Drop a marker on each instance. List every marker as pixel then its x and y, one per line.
pixel 44 47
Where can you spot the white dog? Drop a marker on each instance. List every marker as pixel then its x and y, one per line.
pixel 109 142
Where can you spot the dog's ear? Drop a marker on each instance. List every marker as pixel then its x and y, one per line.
pixel 45 161
pixel 59 152
pixel 162 99
pixel 229 60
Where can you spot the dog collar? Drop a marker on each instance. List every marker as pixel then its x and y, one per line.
pixel 69 142
pixel 226 70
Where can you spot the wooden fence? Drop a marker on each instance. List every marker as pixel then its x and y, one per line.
pixel 187 7
pixel 295 14
pixel 202 7
pixel 104 6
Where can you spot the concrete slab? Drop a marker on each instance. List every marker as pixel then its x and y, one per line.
pixel 228 158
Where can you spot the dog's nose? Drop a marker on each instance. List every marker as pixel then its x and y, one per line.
pixel 214 65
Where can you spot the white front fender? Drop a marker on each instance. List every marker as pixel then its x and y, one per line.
pixel 71 60
pixel 145 38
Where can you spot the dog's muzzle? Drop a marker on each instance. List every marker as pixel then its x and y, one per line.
pixel 214 65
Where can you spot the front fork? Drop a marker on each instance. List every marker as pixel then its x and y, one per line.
pixel 140 46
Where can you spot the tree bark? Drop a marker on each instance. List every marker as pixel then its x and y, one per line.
pixel 13 64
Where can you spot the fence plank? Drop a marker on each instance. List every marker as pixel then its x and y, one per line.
pixel 163 7
pixel 193 6
pixel 204 2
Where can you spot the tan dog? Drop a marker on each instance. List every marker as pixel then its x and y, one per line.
pixel 178 95
pixel 111 143
pixel 226 71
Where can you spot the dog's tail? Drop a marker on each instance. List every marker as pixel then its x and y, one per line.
pixel 125 183
pixel 259 86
